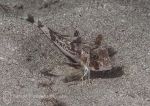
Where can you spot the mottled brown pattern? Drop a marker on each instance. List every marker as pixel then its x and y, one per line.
pixel 95 57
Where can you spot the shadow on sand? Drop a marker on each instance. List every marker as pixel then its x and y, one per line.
pixel 114 73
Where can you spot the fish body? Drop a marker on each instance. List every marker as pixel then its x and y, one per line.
pixel 95 58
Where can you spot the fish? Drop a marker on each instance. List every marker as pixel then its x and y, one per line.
pixel 90 57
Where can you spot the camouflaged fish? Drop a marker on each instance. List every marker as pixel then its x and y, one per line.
pixel 90 58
